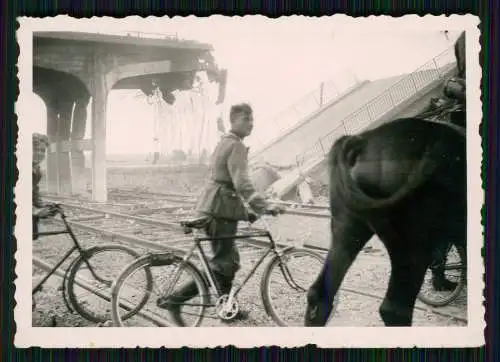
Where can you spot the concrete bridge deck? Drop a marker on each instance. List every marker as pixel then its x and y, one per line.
pixel 303 149
pixel 70 69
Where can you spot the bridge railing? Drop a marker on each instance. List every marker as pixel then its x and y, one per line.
pixel 314 100
pixel 325 93
pixel 396 94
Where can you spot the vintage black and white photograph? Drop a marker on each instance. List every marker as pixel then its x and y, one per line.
pixel 193 176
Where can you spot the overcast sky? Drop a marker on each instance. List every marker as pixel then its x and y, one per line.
pixel 271 64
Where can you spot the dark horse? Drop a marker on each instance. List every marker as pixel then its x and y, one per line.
pixel 404 181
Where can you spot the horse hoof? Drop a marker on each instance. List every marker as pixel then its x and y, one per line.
pixel 314 317
pixel 313 313
pixel 395 316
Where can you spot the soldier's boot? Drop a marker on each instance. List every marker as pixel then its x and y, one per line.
pixel 173 302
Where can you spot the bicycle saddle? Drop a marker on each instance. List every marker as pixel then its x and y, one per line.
pixel 197 223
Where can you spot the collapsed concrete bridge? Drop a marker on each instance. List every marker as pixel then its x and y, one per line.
pixel 71 69
pixel 301 151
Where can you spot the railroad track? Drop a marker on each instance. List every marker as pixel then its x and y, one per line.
pixel 145 232
pixel 165 235
pixel 166 203
pixel 158 223
pixel 165 207
pixel 130 196
pixel 293 208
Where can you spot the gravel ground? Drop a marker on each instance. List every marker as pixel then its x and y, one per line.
pixel 369 273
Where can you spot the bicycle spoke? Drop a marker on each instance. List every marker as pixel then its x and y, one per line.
pixel 166 280
pixel 105 261
pixel 285 286
pixel 289 278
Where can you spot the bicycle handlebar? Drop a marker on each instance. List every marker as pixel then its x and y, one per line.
pixel 253 216
pixel 274 212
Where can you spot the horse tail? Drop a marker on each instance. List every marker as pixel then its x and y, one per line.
pixel 341 159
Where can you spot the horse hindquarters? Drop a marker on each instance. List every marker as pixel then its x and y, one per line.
pixel 349 236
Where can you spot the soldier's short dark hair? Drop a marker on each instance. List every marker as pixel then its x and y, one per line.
pixel 238 109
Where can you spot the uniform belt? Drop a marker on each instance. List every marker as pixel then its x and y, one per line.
pixel 227 184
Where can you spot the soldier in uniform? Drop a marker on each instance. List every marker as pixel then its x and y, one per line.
pixel 451 104
pixel 454 90
pixel 460 55
pixel 40 209
pixel 229 176
pixel 455 87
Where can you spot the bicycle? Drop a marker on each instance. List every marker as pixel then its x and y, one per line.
pixel 226 305
pixel 458 263
pixel 71 283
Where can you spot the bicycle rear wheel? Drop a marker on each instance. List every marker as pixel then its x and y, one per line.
pixel 285 284
pixel 455 271
pixel 89 296
pixel 169 273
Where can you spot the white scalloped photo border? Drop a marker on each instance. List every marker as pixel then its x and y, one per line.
pixel 466 336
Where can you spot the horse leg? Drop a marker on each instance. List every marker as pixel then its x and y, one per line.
pixel 408 269
pixel 349 235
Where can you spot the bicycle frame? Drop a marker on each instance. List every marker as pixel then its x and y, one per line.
pixel 76 246
pixel 208 272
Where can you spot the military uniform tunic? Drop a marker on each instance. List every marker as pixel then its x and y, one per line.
pixel 36 200
pixel 229 169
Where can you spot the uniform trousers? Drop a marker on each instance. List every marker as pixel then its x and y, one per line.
pixel 224 263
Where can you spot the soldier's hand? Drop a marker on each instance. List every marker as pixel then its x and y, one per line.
pixel 47 211
pixel 275 210
pixel 252 217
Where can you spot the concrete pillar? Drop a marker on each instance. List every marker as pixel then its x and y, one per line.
pixel 52 167
pixel 77 153
pixel 157 97
pixel 63 154
pixel 99 91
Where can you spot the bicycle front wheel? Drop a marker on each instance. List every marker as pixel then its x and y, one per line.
pixel 285 284
pixel 88 290
pixel 455 271
pixel 170 273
